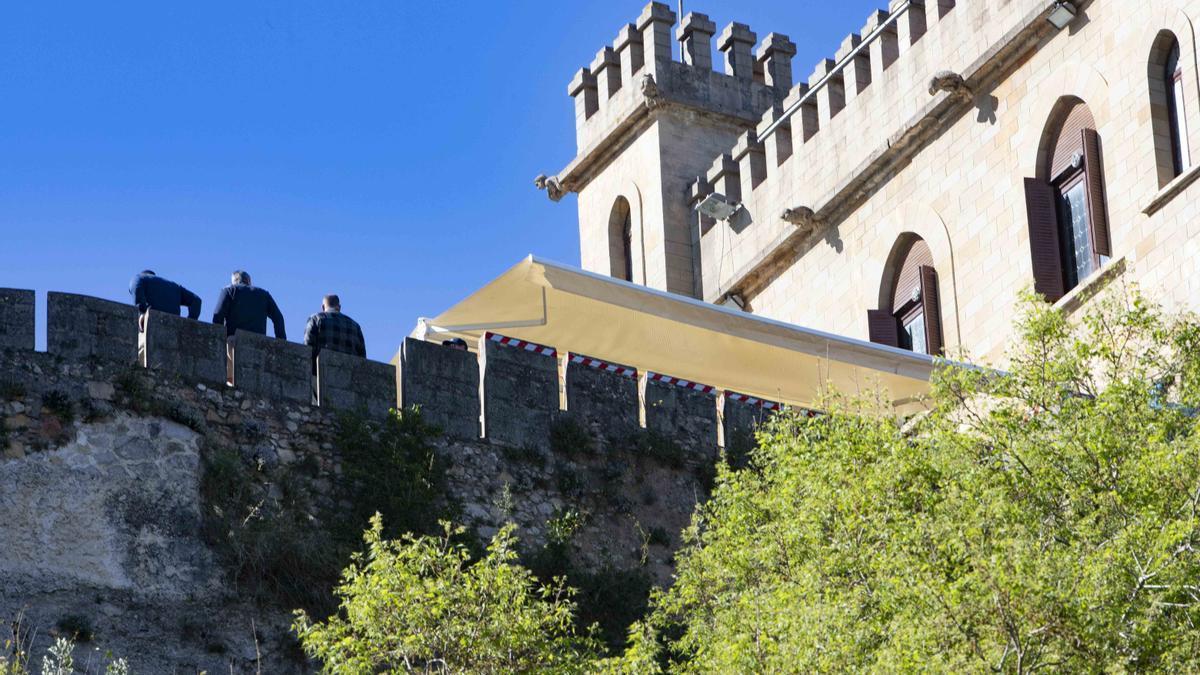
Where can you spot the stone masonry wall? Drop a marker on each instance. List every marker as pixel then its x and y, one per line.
pixel 102 462
pixel 962 190
pixel 348 383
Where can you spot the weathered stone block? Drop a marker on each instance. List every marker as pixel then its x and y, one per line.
pixel 520 395
pixel 79 326
pixel 604 401
pixel 348 382
pixel 740 419
pixel 686 416
pixel 16 318
pixel 191 349
pixel 444 383
pixel 272 368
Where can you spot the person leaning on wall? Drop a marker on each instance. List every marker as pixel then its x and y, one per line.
pixel 151 291
pixel 243 306
pixel 331 330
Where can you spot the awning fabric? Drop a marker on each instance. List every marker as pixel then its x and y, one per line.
pixel 620 322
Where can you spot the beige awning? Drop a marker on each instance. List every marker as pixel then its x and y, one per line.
pixel 617 321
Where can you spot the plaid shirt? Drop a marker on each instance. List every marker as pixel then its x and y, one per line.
pixel 334 331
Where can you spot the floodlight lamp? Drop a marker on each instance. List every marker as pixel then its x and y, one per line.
pixel 717 207
pixel 1062 14
pixel 735 300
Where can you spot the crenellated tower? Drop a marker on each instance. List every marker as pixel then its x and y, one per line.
pixel 647 126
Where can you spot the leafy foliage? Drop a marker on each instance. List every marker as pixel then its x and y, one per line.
pixel 280 546
pixel 1043 518
pixel 419 605
pixel 58 660
pixel 390 467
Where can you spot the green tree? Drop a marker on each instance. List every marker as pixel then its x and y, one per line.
pixel 1040 518
pixel 418 604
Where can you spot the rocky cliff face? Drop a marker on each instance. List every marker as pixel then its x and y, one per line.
pixel 105 519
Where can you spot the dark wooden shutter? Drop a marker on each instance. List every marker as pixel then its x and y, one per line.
pixel 1093 169
pixel 931 308
pixel 883 327
pixel 1043 239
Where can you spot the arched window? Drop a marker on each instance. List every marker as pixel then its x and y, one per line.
pixel 1173 76
pixel 1167 110
pixel 910 315
pixel 620 240
pixel 1065 203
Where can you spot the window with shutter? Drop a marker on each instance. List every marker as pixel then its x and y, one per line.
pixel 1043 239
pixel 1069 236
pixel 931 310
pixel 910 316
pixel 883 328
pixel 1093 171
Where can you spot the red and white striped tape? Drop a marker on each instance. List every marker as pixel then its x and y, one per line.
pixel 603 365
pixel 686 384
pixel 750 400
pixel 522 344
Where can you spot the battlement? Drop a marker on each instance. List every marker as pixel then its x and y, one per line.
pixel 506 393
pixel 638 72
pixel 890 47
pixel 836 136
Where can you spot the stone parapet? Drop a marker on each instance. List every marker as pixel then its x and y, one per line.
pixel 520 393
pixel 508 393
pixel 191 349
pixel 82 327
pixel 741 417
pixel 346 382
pixel 272 368
pixel 602 396
pixel 442 382
pixel 683 412
pixel 16 319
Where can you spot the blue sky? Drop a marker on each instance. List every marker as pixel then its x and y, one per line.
pixel 380 149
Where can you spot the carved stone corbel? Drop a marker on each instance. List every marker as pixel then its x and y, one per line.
pixel 950 82
pixel 802 217
pixel 650 92
pixel 554 189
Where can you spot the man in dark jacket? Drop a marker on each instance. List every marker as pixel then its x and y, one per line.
pixel 245 307
pixel 151 291
pixel 242 306
pixel 332 330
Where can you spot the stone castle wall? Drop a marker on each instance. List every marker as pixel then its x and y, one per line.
pixel 102 462
pixel 505 394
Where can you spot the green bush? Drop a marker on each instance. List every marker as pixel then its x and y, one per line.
pixel 420 605
pixel 1039 519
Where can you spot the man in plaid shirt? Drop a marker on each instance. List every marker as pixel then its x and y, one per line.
pixel 332 330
